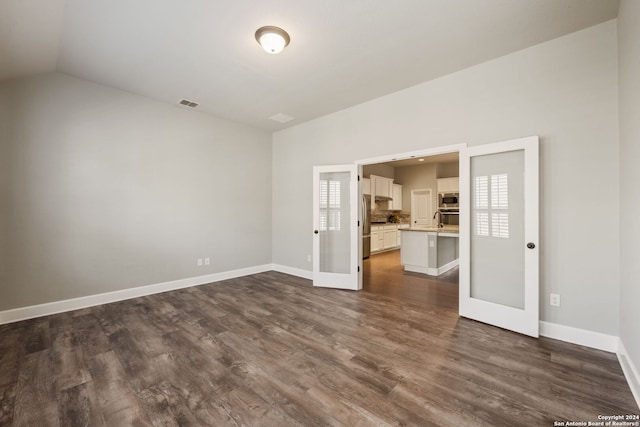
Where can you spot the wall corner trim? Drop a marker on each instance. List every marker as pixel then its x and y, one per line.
pixel 30 312
pixel 630 370
pixel 583 337
pixel 305 274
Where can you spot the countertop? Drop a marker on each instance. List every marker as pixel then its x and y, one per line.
pixel 451 230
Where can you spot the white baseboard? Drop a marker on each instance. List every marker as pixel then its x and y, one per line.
pixel 448 266
pixel 551 330
pixel 579 336
pixel 30 312
pixel 419 269
pixel 599 341
pixel 305 274
pixel 631 373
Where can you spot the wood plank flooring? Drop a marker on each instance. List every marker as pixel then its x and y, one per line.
pixel 383 274
pixel 271 350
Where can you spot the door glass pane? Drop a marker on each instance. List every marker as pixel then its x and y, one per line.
pixel 335 224
pixel 497 228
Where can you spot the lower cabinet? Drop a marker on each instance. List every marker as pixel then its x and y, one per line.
pixel 385 237
pixel 375 243
pixel 389 239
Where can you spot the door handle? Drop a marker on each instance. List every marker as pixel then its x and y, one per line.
pixel 531 245
pixel 315 231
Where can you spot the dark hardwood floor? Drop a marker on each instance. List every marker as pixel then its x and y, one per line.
pixel 383 274
pixel 271 350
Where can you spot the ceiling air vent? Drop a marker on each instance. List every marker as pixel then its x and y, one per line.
pixel 188 103
pixel 281 118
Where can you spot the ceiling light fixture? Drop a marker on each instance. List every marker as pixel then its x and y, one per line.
pixel 421 160
pixel 272 39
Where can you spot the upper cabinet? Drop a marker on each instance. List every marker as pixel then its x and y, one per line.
pixel 396 203
pixel 366 186
pixel 449 185
pixel 381 186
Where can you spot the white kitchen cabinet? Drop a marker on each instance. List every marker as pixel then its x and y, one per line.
pixel 390 237
pixel 375 243
pixel 387 236
pixel 396 204
pixel 390 233
pixel 448 185
pixel 376 238
pixel 366 186
pixel 381 186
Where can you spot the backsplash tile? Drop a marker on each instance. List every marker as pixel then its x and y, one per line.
pixel 386 216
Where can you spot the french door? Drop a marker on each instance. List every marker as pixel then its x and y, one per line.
pixel 337 232
pixel 499 255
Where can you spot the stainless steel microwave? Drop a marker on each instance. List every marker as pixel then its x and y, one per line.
pixel 448 200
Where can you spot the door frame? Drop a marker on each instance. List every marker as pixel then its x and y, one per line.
pixel 464 231
pixel 427 152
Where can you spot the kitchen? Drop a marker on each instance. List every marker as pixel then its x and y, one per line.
pixel 414 219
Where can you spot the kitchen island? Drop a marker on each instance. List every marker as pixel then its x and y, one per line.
pixel 430 250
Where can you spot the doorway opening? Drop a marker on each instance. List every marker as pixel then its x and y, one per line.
pixel 404 197
pixel 501 179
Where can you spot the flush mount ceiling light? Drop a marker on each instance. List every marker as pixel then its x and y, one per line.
pixel 272 39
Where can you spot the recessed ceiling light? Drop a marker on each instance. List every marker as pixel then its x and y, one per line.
pixel 272 39
pixel 281 118
pixel 421 160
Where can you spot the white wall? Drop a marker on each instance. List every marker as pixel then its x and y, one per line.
pixel 564 90
pixel 448 170
pixel 629 82
pixel 378 169
pixel 419 177
pixel 109 190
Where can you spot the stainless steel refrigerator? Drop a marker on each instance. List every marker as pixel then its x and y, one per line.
pixel 366 225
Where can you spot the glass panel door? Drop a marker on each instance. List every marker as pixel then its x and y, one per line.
pixel 336 230
pixel 497 228
pixel 499 224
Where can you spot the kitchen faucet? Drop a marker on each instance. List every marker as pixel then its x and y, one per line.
pixel 440 224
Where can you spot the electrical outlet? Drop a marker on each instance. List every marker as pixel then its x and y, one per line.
pixel 308 258
pixel 199 262
pixel 207 261
pixel 554 300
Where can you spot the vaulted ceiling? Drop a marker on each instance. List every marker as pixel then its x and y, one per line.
pixel 342 52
